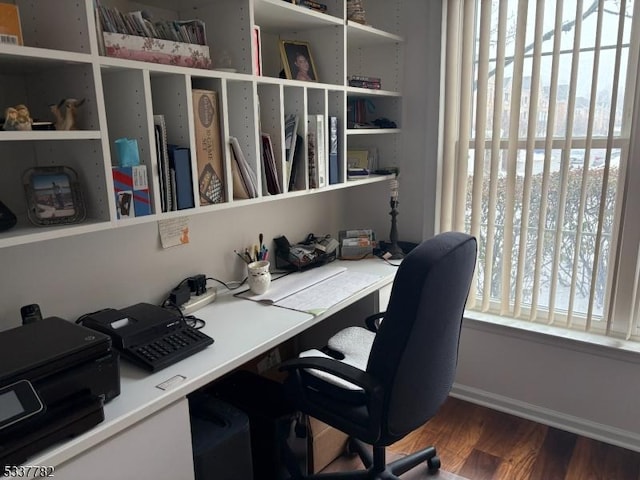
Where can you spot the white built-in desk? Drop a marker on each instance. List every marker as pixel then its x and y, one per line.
pixel 146 431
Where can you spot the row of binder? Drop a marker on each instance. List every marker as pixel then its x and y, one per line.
pixel 174 163
pixel 174 166
pixel 323 165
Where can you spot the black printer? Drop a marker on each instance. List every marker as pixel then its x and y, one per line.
pixel 55 377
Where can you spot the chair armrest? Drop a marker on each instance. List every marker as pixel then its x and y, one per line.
pixel 373 321
pixel 337 368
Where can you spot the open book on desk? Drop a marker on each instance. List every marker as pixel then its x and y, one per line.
pixel 314 291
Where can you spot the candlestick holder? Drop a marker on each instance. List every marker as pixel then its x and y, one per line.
pixel 395 250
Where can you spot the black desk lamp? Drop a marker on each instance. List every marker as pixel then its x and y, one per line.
pixel 395 250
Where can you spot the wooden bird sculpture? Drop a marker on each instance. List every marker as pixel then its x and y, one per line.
pixel 66 113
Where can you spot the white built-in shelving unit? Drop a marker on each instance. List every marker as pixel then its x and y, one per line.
pixel 61 59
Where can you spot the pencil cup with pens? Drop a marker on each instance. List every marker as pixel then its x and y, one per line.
pixel 258 276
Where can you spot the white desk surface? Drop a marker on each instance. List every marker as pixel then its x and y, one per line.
pixel 242 329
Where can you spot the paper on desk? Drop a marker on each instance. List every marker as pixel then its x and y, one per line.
pixel 322 296
pixel 294 282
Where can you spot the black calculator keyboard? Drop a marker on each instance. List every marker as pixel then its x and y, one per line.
pixel 180 342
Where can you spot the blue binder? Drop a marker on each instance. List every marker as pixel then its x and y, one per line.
pixel 180 163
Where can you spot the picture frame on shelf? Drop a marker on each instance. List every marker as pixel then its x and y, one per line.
pixel 358 158
pixel 53 196
pixel 298 61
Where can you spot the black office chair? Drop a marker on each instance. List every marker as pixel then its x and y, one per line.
pixel 407 368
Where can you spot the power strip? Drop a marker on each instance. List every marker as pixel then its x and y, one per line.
pixel 198 301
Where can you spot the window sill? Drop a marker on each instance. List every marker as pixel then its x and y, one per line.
pixel 618 349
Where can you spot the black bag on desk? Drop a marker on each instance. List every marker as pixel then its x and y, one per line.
pixel 312 252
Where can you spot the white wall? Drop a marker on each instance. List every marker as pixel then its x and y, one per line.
pixel 582 388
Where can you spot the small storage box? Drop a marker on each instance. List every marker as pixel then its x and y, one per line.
pixel 132 191
pixel 155 50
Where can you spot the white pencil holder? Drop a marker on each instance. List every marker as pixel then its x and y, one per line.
pixel 259 277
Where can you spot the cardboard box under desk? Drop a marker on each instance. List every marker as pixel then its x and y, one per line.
pixel 325 444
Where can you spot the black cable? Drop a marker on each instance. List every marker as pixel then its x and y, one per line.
pixel 392 264
pixel 81 318
pixel 189 320
pixel 227 286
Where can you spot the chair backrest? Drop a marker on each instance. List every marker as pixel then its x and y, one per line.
pixel 415 351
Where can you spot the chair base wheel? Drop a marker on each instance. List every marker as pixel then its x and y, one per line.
pixel 433 464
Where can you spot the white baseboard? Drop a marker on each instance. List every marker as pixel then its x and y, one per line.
pixel 580 426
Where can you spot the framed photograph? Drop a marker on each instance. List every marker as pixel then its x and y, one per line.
pixel 358 159
pixel 53 196
pixel 297 61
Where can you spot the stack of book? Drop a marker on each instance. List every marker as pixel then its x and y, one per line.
pixel 311 4
pixel 355 11
pixel 364 81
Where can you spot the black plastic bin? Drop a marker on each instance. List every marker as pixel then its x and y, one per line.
pixel 220 439
pixel 271 416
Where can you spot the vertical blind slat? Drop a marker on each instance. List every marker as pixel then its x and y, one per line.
pixel 512 154
pixel 450 114
pixel 531 137
pixel 585 164
pixel 564 165
pixel 481 127
pixel 495 151
pixel 605 176
pixel 551 120
pixel 464 131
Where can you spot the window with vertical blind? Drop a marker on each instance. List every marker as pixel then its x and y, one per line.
pixel 538 111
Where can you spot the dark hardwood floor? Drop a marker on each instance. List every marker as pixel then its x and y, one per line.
pixel 482 444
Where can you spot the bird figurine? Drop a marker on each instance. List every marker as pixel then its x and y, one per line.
pixel 24 120
pixel 10 119
pixel 66 113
